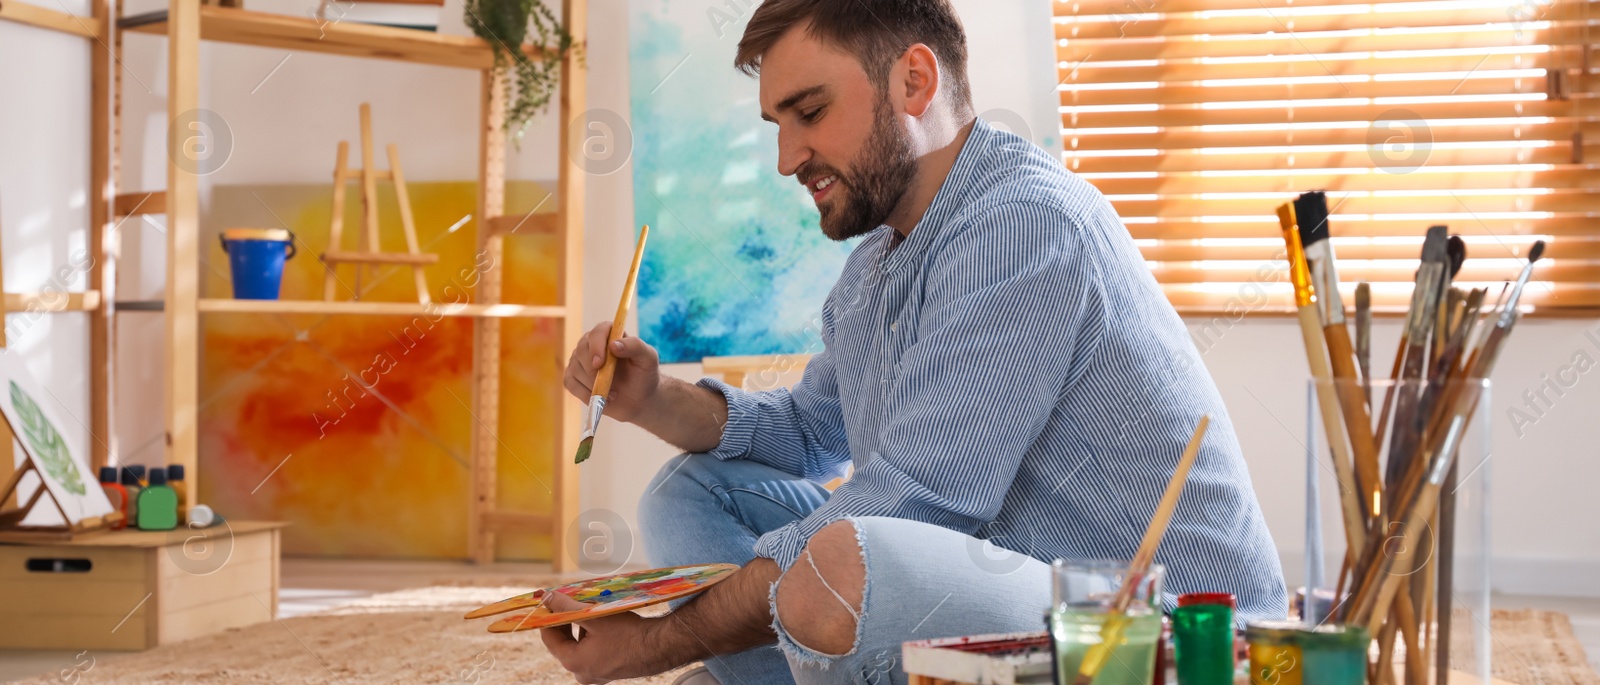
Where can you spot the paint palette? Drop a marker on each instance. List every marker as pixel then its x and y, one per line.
pixel 606 596
pixel 527 600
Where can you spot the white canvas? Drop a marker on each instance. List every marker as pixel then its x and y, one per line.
pixel 61 462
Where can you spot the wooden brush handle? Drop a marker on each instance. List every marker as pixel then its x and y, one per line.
pixel 1111 631
pixel 1333 425
pixel 608 369
pixel 1169 504
pixel 1358 419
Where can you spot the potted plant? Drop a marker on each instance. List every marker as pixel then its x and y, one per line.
pixel 506 25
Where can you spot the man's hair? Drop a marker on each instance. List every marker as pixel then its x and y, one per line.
pixel 877 32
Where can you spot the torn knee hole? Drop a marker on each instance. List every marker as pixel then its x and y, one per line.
pixel 818 601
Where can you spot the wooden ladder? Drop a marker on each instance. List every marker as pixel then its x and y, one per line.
pixel 370 252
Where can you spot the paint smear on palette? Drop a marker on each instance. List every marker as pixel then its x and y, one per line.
pixel 615 594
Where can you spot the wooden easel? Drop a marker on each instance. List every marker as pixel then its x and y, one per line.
pixel 371 252
pixel 11 529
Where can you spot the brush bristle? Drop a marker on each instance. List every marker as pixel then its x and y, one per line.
pixel 1434 247
pixel 1536 252
pixel 583 450
pixel 1311 215
pixel 1363 295
pixel 1457 249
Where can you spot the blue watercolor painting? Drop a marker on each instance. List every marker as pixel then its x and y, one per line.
pixel 737 264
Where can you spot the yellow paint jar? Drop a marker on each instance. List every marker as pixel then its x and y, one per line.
pixel 1275 657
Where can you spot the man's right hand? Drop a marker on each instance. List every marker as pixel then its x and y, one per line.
pixel 637 377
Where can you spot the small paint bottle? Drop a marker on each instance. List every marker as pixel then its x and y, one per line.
pixel 130 485
pixel 116 493
pixel 1202 632
pixel 1335 655
pixel 179 485
pixel 138 472
pixel 1275 657
pixel 158 504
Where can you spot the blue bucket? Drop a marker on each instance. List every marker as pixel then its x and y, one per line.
pixel 256 256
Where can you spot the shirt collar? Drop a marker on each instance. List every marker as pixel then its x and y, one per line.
pixel 945 202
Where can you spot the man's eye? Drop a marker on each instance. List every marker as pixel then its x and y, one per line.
pixel 811 116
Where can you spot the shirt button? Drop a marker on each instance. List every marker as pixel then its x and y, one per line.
pixel 894 325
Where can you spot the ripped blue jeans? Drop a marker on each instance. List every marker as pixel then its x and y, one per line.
pixel 922 581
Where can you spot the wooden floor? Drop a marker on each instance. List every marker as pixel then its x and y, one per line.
pixel 314 584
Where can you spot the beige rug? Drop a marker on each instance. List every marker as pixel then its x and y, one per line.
pixel 1538 648
pixel 418 636
pixel 410 636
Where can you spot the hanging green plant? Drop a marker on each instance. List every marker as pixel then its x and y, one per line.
pixel 505 25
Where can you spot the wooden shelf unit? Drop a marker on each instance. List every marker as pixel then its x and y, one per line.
pixel 490 311
pixel 263 29
pixel 185 23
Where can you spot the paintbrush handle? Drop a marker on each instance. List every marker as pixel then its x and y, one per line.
pixel 1446 581
pixel 1333 426
pixel 1111 630
pixel 1169 502
pixel 1356 415
pixel 608 369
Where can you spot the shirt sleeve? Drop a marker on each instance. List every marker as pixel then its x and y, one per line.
pixel 1011 304
pixel 797 430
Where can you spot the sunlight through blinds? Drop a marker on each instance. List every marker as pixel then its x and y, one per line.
pixel 1196 118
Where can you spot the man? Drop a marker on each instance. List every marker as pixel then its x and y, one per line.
pixel 1000 369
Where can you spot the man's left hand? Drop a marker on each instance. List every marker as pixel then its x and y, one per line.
pixel 615 647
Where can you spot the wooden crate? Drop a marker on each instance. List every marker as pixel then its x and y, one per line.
pixel 133 590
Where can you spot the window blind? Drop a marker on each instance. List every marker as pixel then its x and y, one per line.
pixel 1197 118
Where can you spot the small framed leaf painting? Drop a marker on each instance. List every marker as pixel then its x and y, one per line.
pixel 59 460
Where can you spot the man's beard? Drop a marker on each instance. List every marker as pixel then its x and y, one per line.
pixel 883 173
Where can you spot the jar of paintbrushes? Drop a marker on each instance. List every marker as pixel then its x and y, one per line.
pixel 1397 464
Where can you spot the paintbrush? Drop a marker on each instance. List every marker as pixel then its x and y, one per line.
pixel 1116 622
pixel 1327 402
pixel 1379 586
pixel 1364 338
pixel 1439 376
pixel 1311 218
pixel 1419 293
pixel 1419 324
pixel 608 369
pixel 1456 251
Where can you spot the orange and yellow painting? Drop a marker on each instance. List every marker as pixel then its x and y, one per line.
pixel 357 429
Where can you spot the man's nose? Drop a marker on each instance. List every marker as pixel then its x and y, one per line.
pixel 792 152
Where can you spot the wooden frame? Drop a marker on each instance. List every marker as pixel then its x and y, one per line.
pixel 185 23
pixel 736 370
pixel 371 251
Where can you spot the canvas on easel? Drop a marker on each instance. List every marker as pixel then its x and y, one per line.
pixel 76 504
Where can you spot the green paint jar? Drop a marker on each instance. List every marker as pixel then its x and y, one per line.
pixel 1335 655
pixel 1202 636
pixel 158 504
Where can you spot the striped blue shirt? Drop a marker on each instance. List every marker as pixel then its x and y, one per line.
pixel 1011 370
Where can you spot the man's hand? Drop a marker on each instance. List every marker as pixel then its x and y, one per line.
pixel 732 616
pixel 610 648
pixel 680 413
pixel 638 374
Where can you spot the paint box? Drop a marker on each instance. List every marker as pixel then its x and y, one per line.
pixel 999 659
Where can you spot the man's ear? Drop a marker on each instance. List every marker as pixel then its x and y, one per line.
pixel 921 78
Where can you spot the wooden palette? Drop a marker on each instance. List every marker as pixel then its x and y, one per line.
pixel 527 600
pixel 606 596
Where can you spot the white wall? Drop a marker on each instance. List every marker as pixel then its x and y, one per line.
pixel 285 133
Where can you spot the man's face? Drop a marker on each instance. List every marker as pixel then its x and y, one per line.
pixel 837 135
